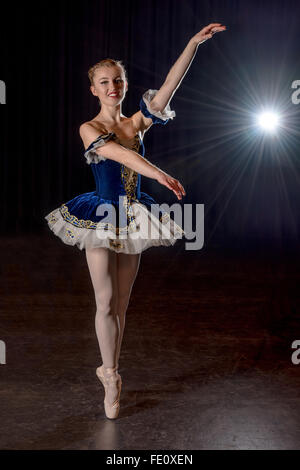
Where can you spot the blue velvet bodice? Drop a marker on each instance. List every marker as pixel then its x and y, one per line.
pixel 113 179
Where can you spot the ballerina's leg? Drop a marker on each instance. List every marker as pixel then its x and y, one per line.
pixel 102 264
pixel 127 269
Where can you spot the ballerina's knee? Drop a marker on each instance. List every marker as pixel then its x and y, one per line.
pixel 106 303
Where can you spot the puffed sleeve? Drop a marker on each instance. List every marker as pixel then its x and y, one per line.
pixel 158 117
pixel 90 154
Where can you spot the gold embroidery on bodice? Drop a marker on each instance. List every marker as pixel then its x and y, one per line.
pixel 129 177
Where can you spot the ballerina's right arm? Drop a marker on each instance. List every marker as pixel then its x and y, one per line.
pixel 106 148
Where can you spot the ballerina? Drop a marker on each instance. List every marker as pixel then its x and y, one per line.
pixel 114 149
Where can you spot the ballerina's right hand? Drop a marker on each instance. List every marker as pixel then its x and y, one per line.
pixel 171 183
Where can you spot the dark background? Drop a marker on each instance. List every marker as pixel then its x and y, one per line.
pixel 248 183
pixel 206 358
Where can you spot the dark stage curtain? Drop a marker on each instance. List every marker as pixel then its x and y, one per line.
pixel 249 187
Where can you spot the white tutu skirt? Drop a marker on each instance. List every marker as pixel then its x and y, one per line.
pixel 143 230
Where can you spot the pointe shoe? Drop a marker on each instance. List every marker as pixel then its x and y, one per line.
pixel 112 383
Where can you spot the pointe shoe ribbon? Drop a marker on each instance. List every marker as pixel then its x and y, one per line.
pixel 112 383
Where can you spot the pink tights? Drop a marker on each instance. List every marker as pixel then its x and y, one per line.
pixel 112 275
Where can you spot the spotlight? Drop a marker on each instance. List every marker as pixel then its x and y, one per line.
pixel 268 121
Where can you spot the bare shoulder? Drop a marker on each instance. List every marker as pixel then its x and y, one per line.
pixel 141 122
pixel 89 131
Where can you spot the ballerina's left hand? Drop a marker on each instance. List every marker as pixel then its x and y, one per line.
pixel 207 32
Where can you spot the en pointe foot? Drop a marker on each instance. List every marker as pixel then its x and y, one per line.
pixel 112 382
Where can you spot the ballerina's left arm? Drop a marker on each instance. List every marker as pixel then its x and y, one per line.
pixel 181 66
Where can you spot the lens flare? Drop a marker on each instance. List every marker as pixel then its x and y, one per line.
pixel 268 121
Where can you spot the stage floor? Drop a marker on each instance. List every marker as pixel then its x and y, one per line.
pixel 205 360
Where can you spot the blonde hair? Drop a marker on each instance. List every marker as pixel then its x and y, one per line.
pixel 106 63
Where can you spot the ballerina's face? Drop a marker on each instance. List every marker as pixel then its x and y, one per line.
pixel 109 85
